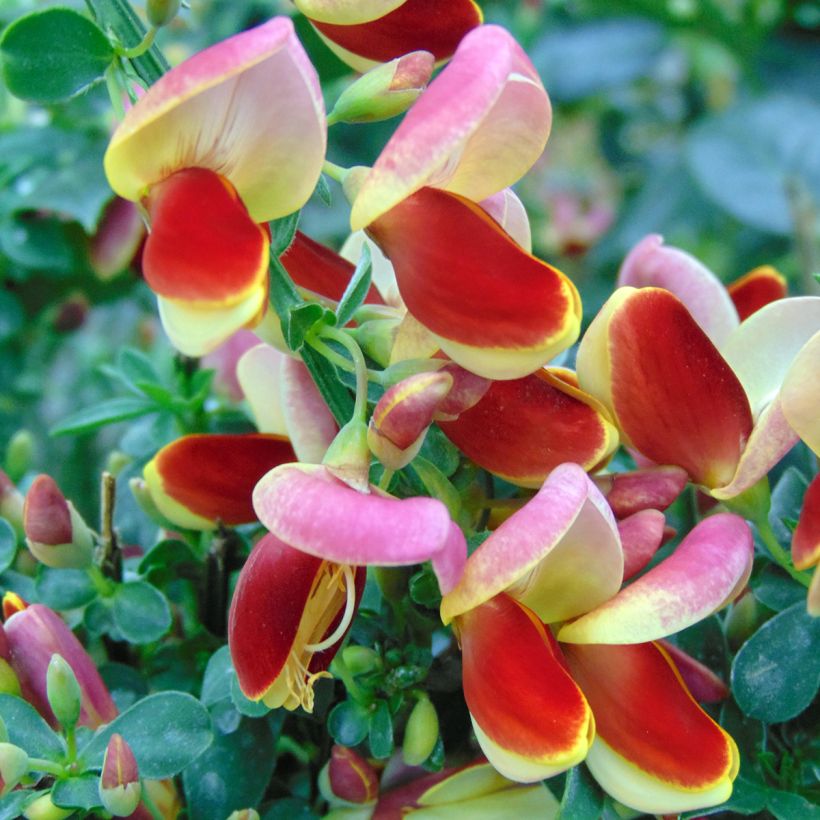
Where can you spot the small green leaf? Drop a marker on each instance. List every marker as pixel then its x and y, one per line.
pixel 424 589
pixel 356 289
pixel 165 731
pixel 282 232
pixel 324 375
pixel 216 683
pixel 381 731
pixel 747 798
pixel 141 612
pixel 243 705
pixel 301 319
pixel 52 55
pixel 167 555
pixel 8 544
pixel 103 413
pixel 14 804
pixel 438 485
pixel 777 590
pixel 582 798
pixel 77 792
pixel 788 806
pixel 98 619
pixel 322 190
pixel 776 673
pixel 133 367
pixel 64 588
pixel 28 730
pixel 348 723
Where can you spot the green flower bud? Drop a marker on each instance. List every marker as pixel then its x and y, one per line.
pixel 421 733
pixel 9 682
pixel 361 659
pixel 385 91
pixel 120 788
pixel 19 454
pixel 43 808
pixel 348 456
pixel 13 765
pixel 161 12
pixel 63 690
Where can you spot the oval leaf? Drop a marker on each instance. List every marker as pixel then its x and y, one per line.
pixel 166 731
pixel 28 730
pixel 53 54
pixel 141 612
pixel 776 674
pixel 64 588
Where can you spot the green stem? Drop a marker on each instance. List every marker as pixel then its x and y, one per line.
pixel 777 552
pixel 71 743
pixel 38 764
pixel 140 48
pixel 287 745
pixel 335 171
pixel 341 670
pixel 387 477
pixel 102 584
pixel 145 796
pixel 360 368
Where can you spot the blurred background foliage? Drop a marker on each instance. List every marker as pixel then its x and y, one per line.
pixel 697 119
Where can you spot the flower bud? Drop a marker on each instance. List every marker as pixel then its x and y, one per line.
pixel 9 682
pixel 19 454
pixel 385 91
pixel 43 808
pixel 421 733
pixel 55 533
pixel 742 619
pixel 348 456
pixel 119 235
pixel 64 695
pixel 361 659
pixel 351 777
pixel 161 12
pixel 244 814
pixel 13 765
pixel 403 414
pixel 35 633
pixel 11 502
pixel 120 788
pixel 376 338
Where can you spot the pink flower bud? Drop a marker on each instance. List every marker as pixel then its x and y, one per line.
pixel 402 416
pixel 119 780
pixel 56 534
pixel 351 777
pixel 35 633
pixel 385 91
pixel 11 502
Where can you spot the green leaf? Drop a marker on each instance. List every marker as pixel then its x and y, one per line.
pixel 747 798
pixel 282 232
pixel 165 731
pixel 14 804
pixel 301 320
pixel 216 683
pixel 12 317
pixel 8 544
pixel 348 723
pixel 777 590
pixel 776 673
pixel 438 485
pixel 245 706
pixel 748 158
pixel 125 684
pixel 424 589
pixel 103 413
pixel 52 55
pixel 322 191
pixel 788 806
pixel 232 774
pixel 77 792
pixel 381 731
pixel 42 243
pixel 323 373
pixel 582 798
pixel 98 619
pixel 356 289
pixel 168 555
pixel 141 612
pixel 64 588
pixel 28 730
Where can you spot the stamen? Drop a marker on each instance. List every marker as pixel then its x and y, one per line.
pixel 350 606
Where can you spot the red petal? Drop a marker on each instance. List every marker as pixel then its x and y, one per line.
pixel 645 713
pixel 320 270
pixel 428 25
pixel 516 684
pixel 466 280
pixel 674 396
pixel 203 246
pixel 523 428
pixel 806 539
pixel 756 289
pixel 266 610
pixel 213 476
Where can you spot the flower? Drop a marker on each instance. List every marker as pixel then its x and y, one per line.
pixel 601 689
pixel 364 34
pixel 726 413
pixel 231 138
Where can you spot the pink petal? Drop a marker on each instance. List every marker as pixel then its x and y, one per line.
pixel 649 488
pixel 641 535
pixel 652 264
pixel 559 555
pixel 509 212
pixel 478 128
pixel 310 509
pixel 706 571
pixel 249 108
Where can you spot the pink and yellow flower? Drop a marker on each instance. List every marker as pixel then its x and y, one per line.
pixel 230 139
pixel 596 685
